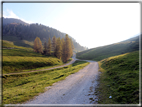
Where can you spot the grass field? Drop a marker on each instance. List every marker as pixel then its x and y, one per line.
pixel 102 52
pixel 9 44
pixel 16 41
pixel 22 87
pixel 21 59
pixel 119 79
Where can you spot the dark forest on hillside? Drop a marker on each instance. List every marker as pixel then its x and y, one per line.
pixel 19 31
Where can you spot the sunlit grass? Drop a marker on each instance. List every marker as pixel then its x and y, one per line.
pixel 100 53
pixel 18 63
pixel 119 79
pixel 8 44
pixel 22 87
pixel 20 60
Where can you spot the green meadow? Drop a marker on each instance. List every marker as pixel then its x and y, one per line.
pixel 119 79
pixel 103 52
pixel 9 44
pixel 19 59
pixel 22 87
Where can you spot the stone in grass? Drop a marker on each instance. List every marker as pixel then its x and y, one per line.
pixel 110 96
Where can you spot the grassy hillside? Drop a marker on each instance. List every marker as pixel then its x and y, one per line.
pixel 19 59
pixel 31 84
pixel 100 53
pixel 9 44
pixel 119 79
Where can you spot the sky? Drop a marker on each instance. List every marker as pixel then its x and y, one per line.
pixel 90 24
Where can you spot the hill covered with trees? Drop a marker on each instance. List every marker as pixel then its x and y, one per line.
pixel 23 34
pixel 12 20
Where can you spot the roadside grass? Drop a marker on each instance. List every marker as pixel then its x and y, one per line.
pixel 22 87
pixel 119 79
pixel 46 67
pixel 19 64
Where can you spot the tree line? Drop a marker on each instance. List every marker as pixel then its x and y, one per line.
pixel 60 48
pixel 19 32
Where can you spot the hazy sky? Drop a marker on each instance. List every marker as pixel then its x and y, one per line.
pixel 91 24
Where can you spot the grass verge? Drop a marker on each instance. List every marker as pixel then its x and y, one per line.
pixel 119 79
pixel 22 87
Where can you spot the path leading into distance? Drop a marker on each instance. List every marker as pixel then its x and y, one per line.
pixel 77 88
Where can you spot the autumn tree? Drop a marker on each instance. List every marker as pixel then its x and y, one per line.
pixel 45 48
pixel 72 44
pixel 53 44
pixel 62 45
pixel 72 47
pixel 49 46
pixel 62 41
pixel 38 45
pixel 67 49
pixel 58 50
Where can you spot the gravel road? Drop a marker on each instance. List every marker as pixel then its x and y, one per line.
pixel 77 88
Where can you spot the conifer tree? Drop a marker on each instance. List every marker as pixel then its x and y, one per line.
pixel 67 49
pixel 72 44
pixel 62 45
pixel 72 47
pixel 58 50
pixel 64 53
pixel 45 48
pixel 49 46
pixel 62 41
pixel 53 44
pixel 38 45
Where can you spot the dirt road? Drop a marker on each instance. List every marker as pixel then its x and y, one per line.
pixel 77 88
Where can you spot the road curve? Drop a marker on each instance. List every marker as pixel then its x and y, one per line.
pixel 72 61
pixel 77 88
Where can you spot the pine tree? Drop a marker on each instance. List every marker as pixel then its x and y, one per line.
pixel 53 44
pixel 62 45
pixel 38 45
pixel 67 49
pixel 58 50
pixel 49 47
pixel 64 56
pixel 72 44
pixel 45 48
pixel 72 47
pixel 62 41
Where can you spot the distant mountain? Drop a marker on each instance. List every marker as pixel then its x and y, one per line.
pixel 12 20
pixel 23 34
pixel 102 52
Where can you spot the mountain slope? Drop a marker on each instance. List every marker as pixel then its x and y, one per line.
pixel 12 20
pixel 100 53
pixel 24 35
